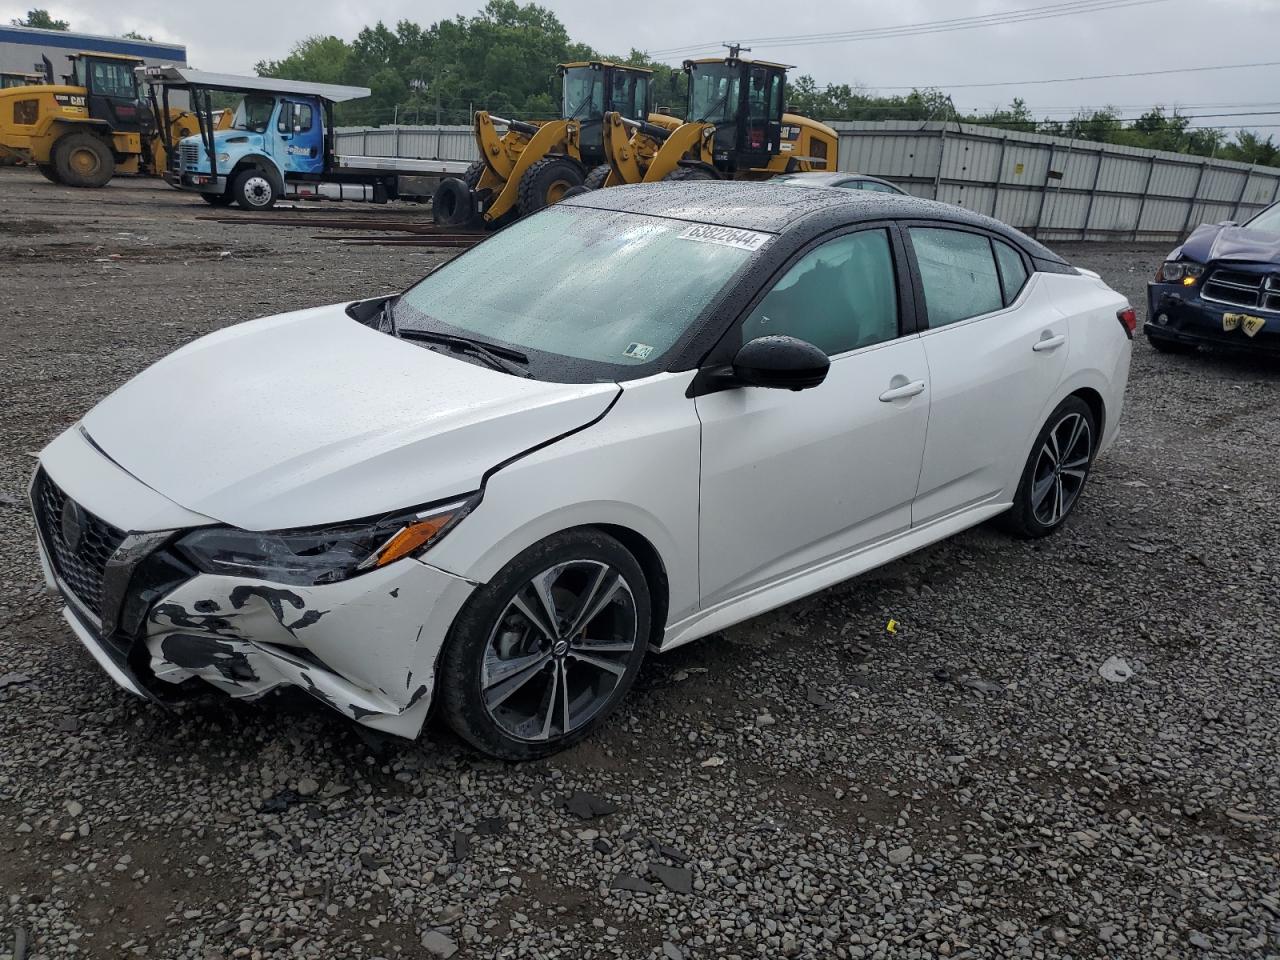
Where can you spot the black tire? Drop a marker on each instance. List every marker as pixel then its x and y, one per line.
pixel 255 189
pixel 82 160
pixel 691 173
pixel 475 638
pixel 453 202
pixel 596 177
pixel 49 172
pixel 1167 345
pixel 471 176
pixel 218 199
pixel 1033 514
pixel 546 182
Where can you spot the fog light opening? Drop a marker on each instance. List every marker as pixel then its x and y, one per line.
pixel 1163 320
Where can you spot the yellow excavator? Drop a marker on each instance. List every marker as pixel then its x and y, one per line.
pixel 536 163
pixel 735 129
pixel 89 128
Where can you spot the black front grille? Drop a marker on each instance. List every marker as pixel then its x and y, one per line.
pixel 79 564
pixel 1242 289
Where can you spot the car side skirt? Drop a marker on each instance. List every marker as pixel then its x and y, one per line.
pixel 793 586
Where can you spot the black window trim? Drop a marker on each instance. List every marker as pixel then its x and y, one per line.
pixel 922 309
pixel 726 345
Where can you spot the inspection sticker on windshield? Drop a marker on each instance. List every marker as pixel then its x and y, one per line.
pixel 638 351
pixel 726 236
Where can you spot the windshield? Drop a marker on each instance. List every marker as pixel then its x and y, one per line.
pixel 594 286
pixel 254 113
pixel 1268 220
pixel 713 92
pixel 583 94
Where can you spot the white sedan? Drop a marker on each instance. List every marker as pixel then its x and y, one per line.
pixel 631 420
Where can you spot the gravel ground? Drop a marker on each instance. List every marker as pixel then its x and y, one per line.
pixel 806 784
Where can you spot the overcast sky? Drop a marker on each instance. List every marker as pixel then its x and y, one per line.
pixel 232 35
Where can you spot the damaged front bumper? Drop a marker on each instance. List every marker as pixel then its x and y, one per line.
pixel 367 646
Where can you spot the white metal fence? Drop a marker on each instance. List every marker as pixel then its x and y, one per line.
pixel 1050 187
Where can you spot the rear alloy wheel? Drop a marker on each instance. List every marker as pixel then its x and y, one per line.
pixel 1056 471
pixel 82 160
pixel 546 182
pixel 546 649
pixel 254 190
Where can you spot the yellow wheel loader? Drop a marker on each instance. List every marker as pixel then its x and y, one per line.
pixel 535 164
pixel 93 126
pixel 735 129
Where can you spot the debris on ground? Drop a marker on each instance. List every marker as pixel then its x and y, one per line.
pixel 1115 670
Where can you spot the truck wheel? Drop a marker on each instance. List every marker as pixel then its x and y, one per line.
pixel 691 173
pixel 82 160
pixel 254 190
pixel 218 199
pixel 546 182
pixel 453 204
pixel 49 172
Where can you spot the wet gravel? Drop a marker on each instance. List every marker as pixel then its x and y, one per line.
pixel 807 784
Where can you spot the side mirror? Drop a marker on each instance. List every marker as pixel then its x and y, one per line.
pixel 781 363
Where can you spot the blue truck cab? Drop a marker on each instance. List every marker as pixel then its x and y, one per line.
pixel 271 142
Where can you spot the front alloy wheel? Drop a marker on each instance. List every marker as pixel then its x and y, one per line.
pixel 559 650
pixel 548 647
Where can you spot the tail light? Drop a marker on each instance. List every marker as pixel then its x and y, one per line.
pixel 1128 318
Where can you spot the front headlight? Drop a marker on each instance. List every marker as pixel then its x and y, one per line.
pixel 1171 271
pixel 320 555
pixel 224 158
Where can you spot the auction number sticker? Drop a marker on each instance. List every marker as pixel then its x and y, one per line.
pixel 726 236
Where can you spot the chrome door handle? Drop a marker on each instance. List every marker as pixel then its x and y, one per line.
pixel 914 388
pixel 1049 343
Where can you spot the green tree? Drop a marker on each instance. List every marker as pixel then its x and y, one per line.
pixel 135 35
pixel 41 19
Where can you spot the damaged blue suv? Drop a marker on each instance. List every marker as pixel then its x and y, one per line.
pixel 1220 288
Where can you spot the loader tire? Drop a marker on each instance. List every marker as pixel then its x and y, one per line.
pixel 596 178
pixel 453 203
pixel 471 177
pixel 82 160
pixel 546 182
pixel 49 172
pixel 691 173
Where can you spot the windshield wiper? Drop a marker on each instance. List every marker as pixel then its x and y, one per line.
pixel 500 358
pixel 387 317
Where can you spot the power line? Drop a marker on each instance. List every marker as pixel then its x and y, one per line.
pixel 1096 76
pixel 1022 15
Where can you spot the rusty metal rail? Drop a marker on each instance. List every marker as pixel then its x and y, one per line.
pixel 460 241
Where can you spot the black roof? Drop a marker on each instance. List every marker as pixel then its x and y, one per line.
pixel 773 208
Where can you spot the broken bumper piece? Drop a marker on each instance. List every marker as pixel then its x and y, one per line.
pixel 366 647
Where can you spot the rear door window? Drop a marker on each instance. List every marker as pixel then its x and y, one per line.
pixel 958 272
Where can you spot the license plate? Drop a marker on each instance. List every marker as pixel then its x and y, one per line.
pixel 1243 321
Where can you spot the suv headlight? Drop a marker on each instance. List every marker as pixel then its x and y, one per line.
pixel 320 555
pixel 1171 271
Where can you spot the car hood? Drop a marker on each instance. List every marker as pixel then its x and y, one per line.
pixel 312 418
pixel 1216 241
